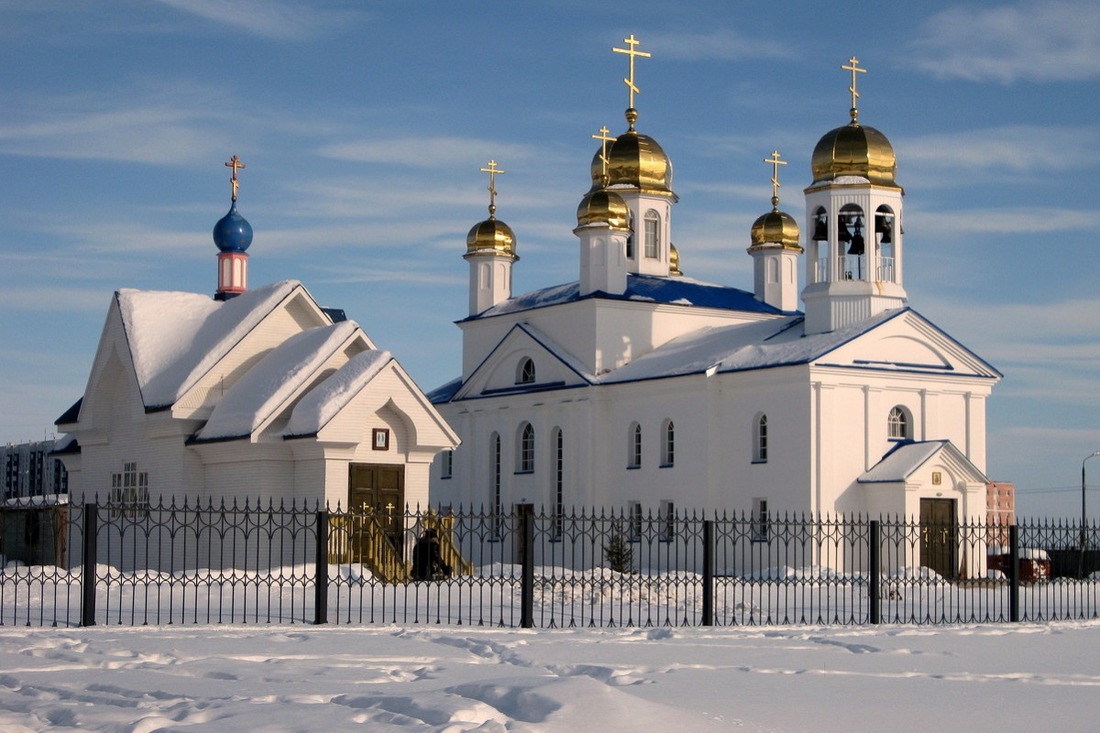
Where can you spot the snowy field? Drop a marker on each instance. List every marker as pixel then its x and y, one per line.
pixel 306 678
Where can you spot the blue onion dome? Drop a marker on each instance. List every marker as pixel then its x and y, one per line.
pixel 233 233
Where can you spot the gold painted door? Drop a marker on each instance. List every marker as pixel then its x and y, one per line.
pixel 937 536
pixel 378 490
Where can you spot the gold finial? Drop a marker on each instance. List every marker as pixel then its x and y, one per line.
pixel 492 170
pixel 605 138
pixel 854 68
pixel 775 163
pixel 632 53
pixel 236 164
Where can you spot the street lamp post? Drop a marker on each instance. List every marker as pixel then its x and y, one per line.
pixel 1084 516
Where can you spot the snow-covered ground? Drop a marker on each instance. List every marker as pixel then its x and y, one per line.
pixel 304 678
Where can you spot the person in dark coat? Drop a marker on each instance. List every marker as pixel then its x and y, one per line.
pixel 427 562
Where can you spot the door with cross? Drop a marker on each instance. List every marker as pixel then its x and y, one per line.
pixel 379 490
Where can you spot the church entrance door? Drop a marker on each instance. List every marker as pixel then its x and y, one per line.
pixel 938 535
pixel 378 491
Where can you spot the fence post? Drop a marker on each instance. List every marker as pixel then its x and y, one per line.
pixel 874 571
pixel 708 572
pixel 1014 573
pixel 526 516
pixel 87 575
pixel 320 583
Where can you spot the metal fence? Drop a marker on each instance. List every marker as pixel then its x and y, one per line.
pixel 216 564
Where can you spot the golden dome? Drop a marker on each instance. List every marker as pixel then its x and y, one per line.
pixel 491 236
pixel 601 206
pixel 775 227
pixel 636 161
pixel 855 150
pixel 674 261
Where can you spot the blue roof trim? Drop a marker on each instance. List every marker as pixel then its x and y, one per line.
pixel 444 392
pixel 640 288
pixel 522 389
pixel 562 387
pixel 952 339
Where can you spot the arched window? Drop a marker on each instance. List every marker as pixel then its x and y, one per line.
pixel 652 234
pixel 760 439
pixel 525 372
pixel 884 240
pixel 851 243
pixel 820 254
pixel 899 424
pixel 630 237
pixel 668 444
pixel 525 457
pixel 634 446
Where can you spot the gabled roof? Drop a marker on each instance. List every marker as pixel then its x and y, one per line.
pixel 324 401
pixel 640 288
pixel 906 458
pixel 175 338
pixel 776 343
pixel 519 333
pixel 276 378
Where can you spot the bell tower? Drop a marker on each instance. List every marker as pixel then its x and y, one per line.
pixel 854 220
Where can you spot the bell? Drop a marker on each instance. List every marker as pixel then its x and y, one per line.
pixel 843 234
pixel 821 230
pixel 882 227
pixel 857 238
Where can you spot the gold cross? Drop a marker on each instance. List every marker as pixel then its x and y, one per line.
pixel 854 68
pixel 492 170
pixel 605 139
pixel 236 164
pixel 775 162
pixel 631 52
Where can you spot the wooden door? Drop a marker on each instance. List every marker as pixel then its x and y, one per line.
pixel 938 536
pixel 379 490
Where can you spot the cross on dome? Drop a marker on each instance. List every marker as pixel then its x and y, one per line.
pixel 775 163
pixel 492 170
pixel 632 52
pixel 236 164
pixel 604 137
pixel 854 68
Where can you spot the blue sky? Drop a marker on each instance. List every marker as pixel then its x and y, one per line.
pixel 363 126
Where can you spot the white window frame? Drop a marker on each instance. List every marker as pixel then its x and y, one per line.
pixel 652 227
pixel 899 424
pixel 760 521
pixel 634 446
pixel 525 448
pixel 760 438
pixel 668 444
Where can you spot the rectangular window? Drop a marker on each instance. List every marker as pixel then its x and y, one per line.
pixel 446 463
pixel 635 514
pixel 129 492
pixel 760 520
pixel 668 521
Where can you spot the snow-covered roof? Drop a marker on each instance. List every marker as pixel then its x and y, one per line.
pixel 741 347
pixel 902 461
pixel 324 401
pixel 175 337
pixel 280 374
pixel 642 288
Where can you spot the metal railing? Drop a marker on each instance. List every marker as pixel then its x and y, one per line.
pixel 208 564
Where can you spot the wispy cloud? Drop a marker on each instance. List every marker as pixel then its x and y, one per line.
pixel 720 43
pixel 272 19
pixel 1016 220
pixel 1014 149
pixel 1058 40
pixel 426 152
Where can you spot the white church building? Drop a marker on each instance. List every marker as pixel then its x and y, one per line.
pixel 252 396
pixel 637 388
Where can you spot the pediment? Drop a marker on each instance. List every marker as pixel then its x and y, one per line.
pixel 909 343
pixel 503 370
